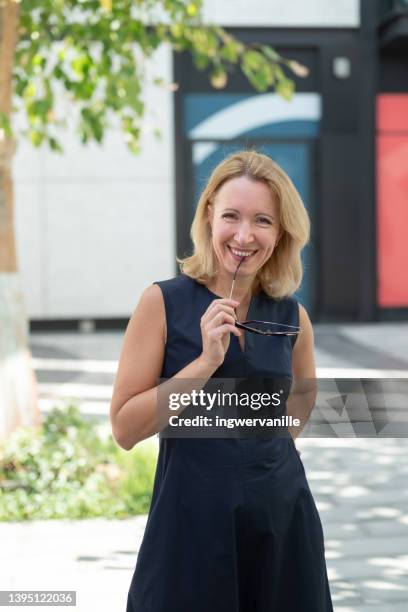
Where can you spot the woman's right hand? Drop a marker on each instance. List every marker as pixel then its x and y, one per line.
pixel 217 323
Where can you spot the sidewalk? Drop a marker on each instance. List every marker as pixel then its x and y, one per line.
pixel 361 494
pixel 360 486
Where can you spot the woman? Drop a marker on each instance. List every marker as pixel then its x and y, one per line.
pixel 232 526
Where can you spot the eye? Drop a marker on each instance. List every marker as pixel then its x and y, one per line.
pixel 229 215
pixel 265 220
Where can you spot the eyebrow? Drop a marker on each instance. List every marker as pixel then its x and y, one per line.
pixel 264 214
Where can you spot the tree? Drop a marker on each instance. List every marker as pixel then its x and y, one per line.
pixel 95 52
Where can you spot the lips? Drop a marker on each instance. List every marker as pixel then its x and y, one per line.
pixel 238 255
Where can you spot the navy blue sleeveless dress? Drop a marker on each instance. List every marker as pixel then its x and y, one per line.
pixel 232 526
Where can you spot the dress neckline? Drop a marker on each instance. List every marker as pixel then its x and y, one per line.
pixel 219 297
pixel 209 291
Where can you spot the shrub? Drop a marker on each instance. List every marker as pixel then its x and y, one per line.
pixel 67 469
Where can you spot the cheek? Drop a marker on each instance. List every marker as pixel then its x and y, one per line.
pixel 269 246
pixel 220 235
pixel 269 242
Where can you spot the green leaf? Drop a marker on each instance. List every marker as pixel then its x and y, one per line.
pixel 20 86
pixel 270 53
pixel 5 125
pixel 192 9
pixel 38 60
pixel 201 61
pixel 39 108
pixel 81 65
pixel 230 52
pixel 55 145
pixel 31 90
pixel 36 138
pixel 138 106
pixel 252 60
pixel 177 29
pixel 285 87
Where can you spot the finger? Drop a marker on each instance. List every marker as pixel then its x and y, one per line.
pixel 223 309
pixel 218 332
pixel 218 319
pixel 223 302
pixel 218 316
pixel 214 308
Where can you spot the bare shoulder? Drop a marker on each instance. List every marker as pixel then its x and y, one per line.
pixel 153 293
pixel 304 321
pixel 303 359
pixel 150 311
pixel 152 296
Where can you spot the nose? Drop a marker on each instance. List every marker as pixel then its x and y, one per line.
pixel 244 234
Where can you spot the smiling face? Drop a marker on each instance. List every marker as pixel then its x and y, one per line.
pixel 244 220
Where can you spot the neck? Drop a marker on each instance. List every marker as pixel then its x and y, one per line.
pixel 242 291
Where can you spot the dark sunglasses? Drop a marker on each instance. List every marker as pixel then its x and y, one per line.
pixel 265 328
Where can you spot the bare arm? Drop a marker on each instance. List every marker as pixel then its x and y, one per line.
pixel 134 409
pixel 303 395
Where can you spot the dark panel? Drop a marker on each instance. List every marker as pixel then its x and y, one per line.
pixel 340 235
pixel 348 205
pixel 182 174
pixel 393 31
pixel 347 160
pixel 341 96
pixel 393 73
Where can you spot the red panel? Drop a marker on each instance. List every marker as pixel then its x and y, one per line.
pixel 392 112
pixel 392 220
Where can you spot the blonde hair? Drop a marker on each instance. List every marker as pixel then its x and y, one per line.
pixel 282 274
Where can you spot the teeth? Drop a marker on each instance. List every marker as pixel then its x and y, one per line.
pixel 242 253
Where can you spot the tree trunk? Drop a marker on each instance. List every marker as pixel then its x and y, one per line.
pixel 18 390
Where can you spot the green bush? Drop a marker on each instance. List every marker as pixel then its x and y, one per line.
pixel 67 468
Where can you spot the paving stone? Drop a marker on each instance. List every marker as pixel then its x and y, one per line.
pixel 381 607
pixel 390 590
pixel 387 527
pixel 375 567
pixel 371 546
pixel 342 531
